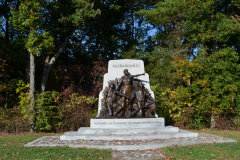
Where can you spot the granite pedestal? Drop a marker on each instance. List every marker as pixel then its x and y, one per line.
pixel 127 129
pixel 127 123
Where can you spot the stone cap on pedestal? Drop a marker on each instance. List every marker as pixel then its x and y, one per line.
pixel 116 68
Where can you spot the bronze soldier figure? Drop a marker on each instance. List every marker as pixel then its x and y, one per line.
pixel 127 86
pixel 110 100
pixel 142 97
pixel 116 98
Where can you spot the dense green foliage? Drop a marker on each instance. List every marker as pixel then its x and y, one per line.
pixel 190 50
pixel 209 85
pixel 202 76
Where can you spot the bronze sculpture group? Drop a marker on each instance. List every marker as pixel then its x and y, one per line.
pixel 127 97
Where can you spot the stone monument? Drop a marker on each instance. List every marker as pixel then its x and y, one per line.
pixel 120 85
pixel 126 108
pixel 126 91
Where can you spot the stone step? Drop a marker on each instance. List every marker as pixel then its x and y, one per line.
pixel 99 131
pixel 52 141
pixel 143 147
pixel 139 136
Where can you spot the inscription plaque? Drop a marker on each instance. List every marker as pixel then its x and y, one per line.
pixel 128 123
pixel 125 65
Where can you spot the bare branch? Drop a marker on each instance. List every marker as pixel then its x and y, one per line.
pixel 48 63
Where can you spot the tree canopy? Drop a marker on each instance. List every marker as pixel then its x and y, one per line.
pixel 61 48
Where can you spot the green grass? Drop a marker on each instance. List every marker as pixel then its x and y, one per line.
pixel 11 147
pixel 207 151
pixel 225 133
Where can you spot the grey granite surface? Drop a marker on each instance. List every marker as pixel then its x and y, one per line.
pixel 130 149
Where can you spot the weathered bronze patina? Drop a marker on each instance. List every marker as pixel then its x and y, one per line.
pixel 126 97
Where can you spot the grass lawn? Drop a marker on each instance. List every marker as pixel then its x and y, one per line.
pixel 207 151
pixel 11 147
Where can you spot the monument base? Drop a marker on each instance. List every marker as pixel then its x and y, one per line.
pixel 127 123
pixel 127 129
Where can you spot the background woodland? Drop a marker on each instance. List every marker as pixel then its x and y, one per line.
pixel 54 53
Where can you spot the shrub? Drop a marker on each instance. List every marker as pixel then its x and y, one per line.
pixel 228 121
pixel 208 86
pixel 55 111
pixel 11 120
pixel 75 112
pixel 236 122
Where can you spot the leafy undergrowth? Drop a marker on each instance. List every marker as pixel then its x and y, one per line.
pixel 12 148
pixel 207 151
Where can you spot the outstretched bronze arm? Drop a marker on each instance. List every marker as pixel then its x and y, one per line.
pixel 137 75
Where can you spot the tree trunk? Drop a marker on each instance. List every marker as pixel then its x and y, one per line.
pixel 102 36
pixel 49 62
pixel 12 32
pixel 28 69
pixel 213 122
pixel 32 96
pixel 214 49
pixel 46 71
pixel 7 32
pixel 203 50
pixel 7 25
pixel 133 35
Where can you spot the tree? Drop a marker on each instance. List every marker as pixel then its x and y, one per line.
pixel 208 26
pixel 31 21
pixel 11 69
pixel 214 88
pixel 74 18
pixel 28 21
